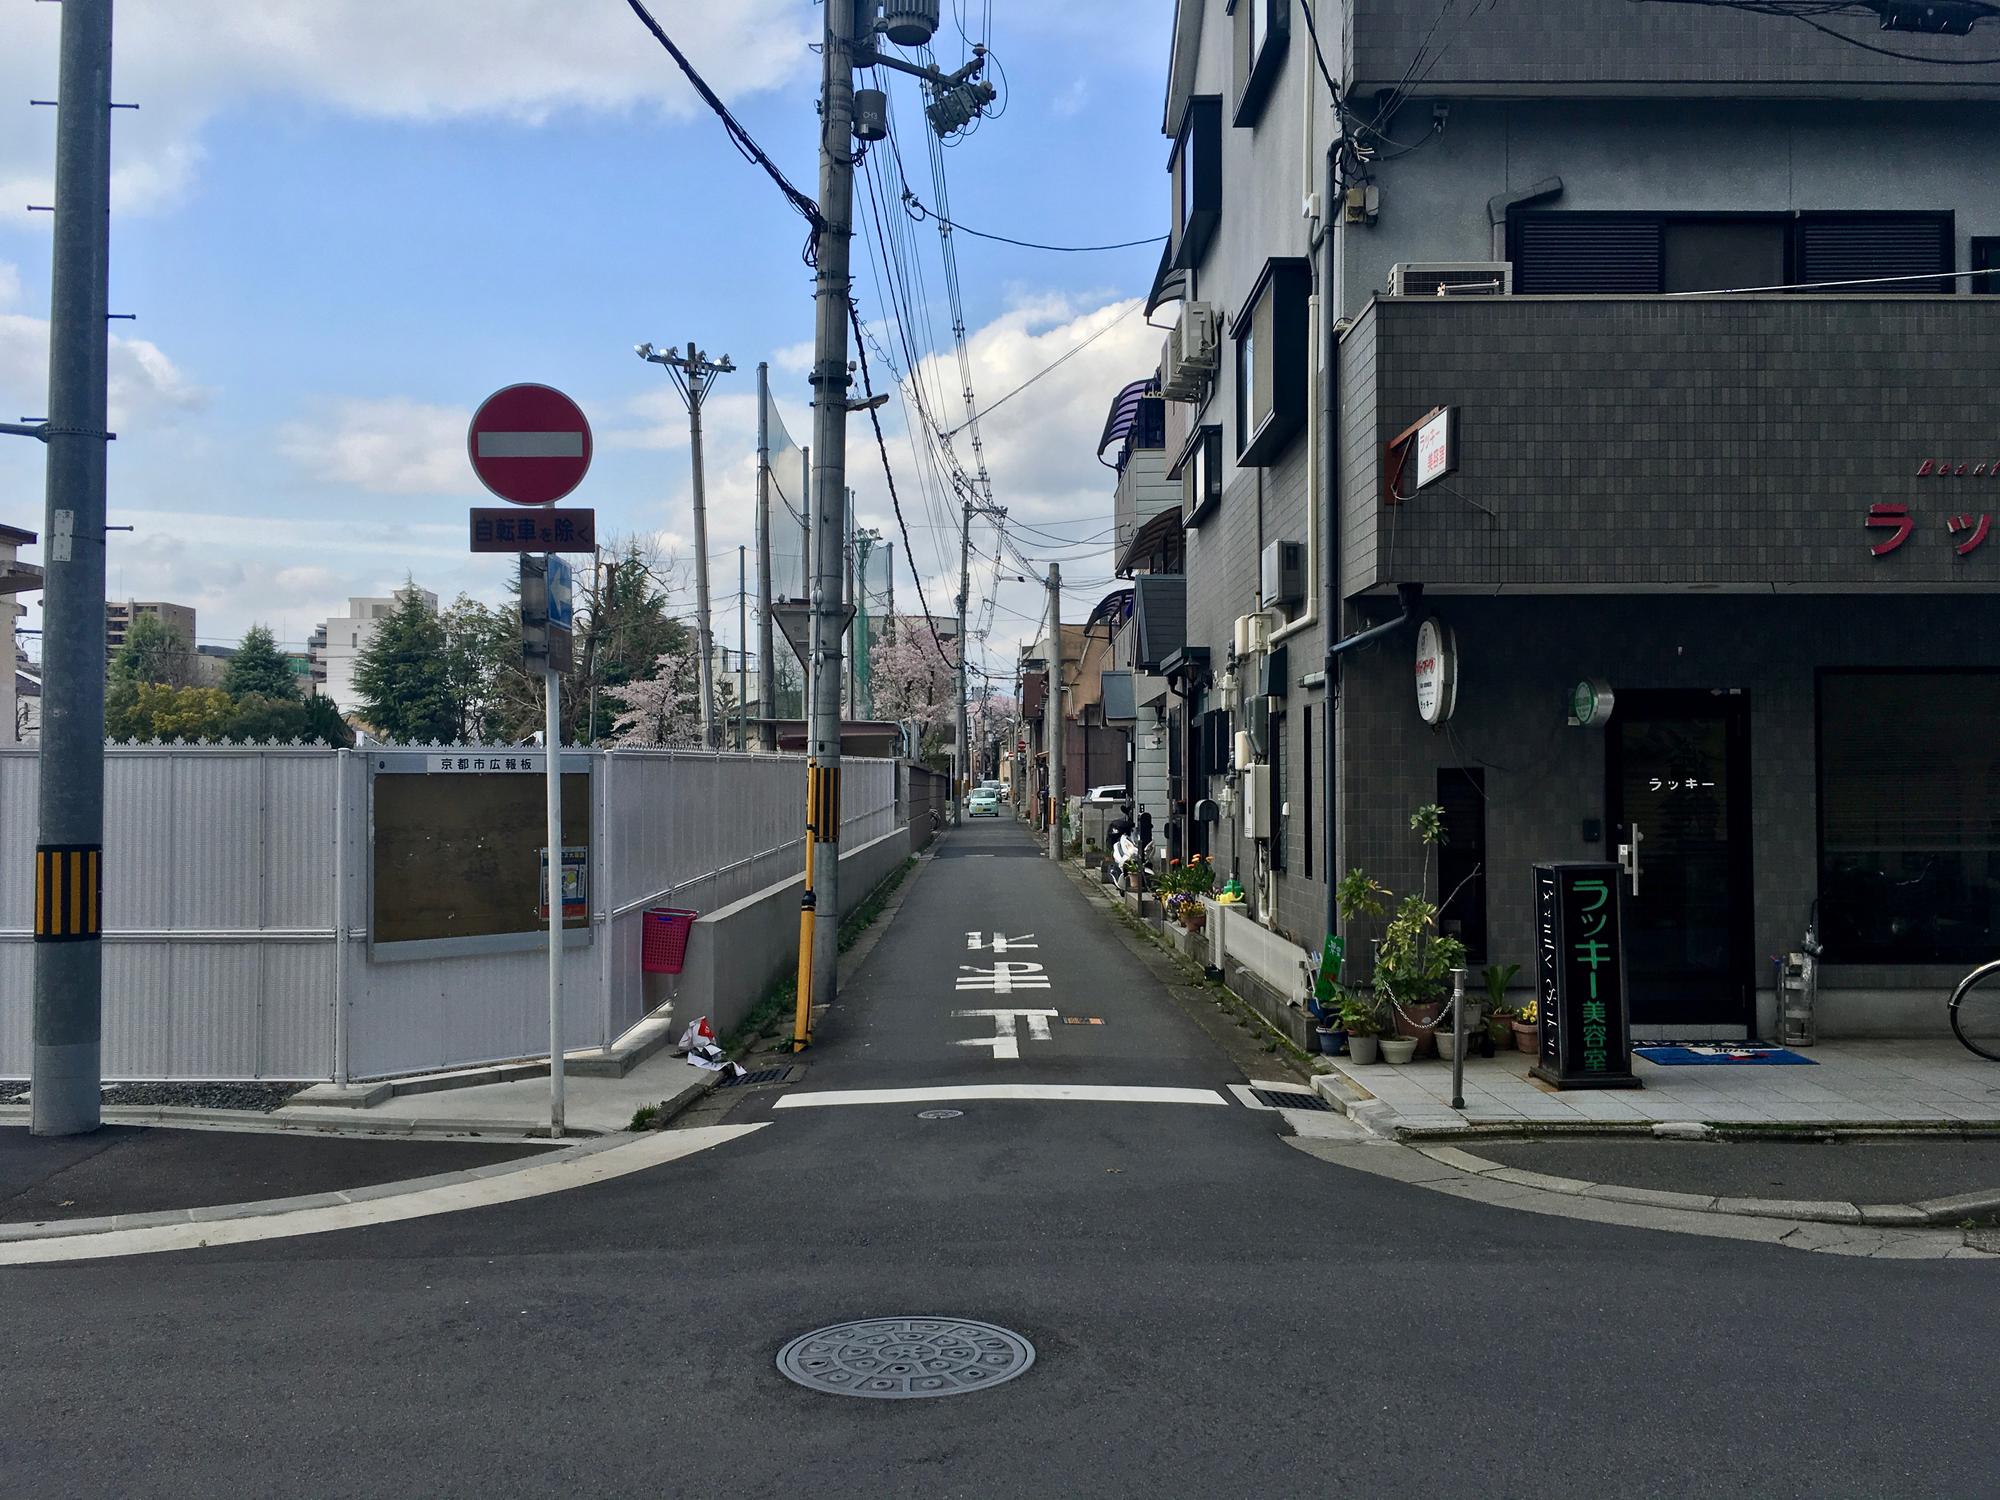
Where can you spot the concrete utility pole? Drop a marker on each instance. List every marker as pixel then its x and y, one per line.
pixel 1052 715
pixel 742 652
pixel 961 761
pixel 853 602
pixel 693 373
pixel 69 843
pixel 767 666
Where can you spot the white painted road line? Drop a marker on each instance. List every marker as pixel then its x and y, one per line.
pixel 531 445
pixel 533 1181
pixel 1079 1092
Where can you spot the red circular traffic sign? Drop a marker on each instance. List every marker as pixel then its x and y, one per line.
pixel 529 444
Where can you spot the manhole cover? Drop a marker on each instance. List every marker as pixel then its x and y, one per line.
pixel 898 1359
pixel 1288 1100
pixel 939 1114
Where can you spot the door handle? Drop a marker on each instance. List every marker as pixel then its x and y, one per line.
pixel 1628 856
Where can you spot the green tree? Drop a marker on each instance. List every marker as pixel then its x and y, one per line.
pixel 152 710
pixel 403 676
pixel 259 668
pixel 259 717
pixel 154 652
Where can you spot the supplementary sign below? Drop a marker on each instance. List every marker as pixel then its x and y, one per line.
pixel 1006 1038
pixel 1003 978
pixel 495 529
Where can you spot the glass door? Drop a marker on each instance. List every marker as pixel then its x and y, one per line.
pixel 1679 804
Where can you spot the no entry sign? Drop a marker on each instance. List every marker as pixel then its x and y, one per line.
pixel 529 444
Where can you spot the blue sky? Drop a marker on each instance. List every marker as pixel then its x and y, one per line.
pixel 341 224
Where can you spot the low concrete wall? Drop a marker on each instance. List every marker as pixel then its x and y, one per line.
pixel 738 952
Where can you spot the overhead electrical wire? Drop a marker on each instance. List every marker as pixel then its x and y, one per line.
pixel 1805 11
pixel 1051 367
pixel 918 210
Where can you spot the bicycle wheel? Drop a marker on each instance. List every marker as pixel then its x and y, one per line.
pixel 1975 1010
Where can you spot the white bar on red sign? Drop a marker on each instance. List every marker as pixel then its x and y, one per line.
pixel 530 445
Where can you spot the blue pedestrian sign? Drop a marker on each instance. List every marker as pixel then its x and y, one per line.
pixel 562 594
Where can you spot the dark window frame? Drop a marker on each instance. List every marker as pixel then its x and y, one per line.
pixel 1199 469
pixel 1284 286
pixel 1835 950
pixel 1462 895
pixel 1280 764
pixel 1794 222
pixel 1984 256
pixel 1196 167
pixel 1254 76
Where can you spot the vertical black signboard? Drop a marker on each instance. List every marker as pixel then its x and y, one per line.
pixel 1586 1036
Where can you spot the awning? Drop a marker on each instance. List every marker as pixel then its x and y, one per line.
pixel 1147 537
pixel 1169 285
pixel 1160 613
pixel 1124 412
pixel 1120 703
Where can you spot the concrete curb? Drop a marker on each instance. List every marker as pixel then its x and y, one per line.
pixel 49 1229
pixel 331 1122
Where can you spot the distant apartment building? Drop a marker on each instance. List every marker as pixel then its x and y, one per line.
pixel 342 639
pixel 119 618
pixel 15 578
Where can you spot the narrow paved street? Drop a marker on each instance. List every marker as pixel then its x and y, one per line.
pixel 1213 1310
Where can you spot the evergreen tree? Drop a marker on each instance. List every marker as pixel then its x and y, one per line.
pixel 153 652
pixel 403 676
pixel 259 668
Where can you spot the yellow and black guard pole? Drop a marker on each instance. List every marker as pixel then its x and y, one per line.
pixel 69 893
pixel 822 827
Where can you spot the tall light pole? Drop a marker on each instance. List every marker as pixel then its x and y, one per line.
pixel 67 1063
pixel 693 373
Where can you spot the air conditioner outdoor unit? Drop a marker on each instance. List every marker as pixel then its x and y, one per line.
pixel 1191 351
pixel 1451 278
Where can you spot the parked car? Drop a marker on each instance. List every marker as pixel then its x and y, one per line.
pixel 982 804
pixel 1104 796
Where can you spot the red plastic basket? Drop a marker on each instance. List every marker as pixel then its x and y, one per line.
pixel 666 939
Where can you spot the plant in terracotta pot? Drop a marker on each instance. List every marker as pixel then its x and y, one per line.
pixel 1413 960
pixel 1526 1028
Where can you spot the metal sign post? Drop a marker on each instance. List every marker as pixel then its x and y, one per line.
pixel 561 619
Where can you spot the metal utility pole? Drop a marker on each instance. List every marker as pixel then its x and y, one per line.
pixel 742 653
pixel 1052 716
pixel 767 666
pixel 693 373
pixel 67 1063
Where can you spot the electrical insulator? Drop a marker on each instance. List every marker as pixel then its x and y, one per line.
pixel 910 23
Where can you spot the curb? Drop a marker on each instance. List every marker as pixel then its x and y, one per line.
pixel 332 1122
pixel 49 1229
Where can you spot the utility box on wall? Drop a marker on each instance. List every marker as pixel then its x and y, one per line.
pixel 1283 577
pixel 1257 801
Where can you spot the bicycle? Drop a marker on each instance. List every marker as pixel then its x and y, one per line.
pixel 1975 1018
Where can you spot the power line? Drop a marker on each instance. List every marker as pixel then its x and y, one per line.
pixel 882 446
pixel 1048 369
pixel 1803 11
pixel 920 213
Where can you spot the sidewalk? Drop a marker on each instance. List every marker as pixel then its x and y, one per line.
pixel 1929 1086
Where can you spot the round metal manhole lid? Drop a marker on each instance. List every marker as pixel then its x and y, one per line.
pixel 939 1114
pixel 899 1359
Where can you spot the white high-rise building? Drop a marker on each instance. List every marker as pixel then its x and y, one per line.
pixel 348 635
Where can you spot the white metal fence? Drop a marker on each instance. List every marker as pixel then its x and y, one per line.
pixel 237 893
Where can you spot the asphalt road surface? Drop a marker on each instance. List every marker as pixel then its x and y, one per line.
pixel 1214 1312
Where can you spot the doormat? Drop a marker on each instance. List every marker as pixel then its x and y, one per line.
pixel 1722 1054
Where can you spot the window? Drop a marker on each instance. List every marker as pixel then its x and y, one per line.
pixel 1272 363
pixel 1262 29
pixel 1909 815
pixel 1200 474
pixel 1583 254
pixel 1462 859
pixel 1281 799
pixel 1196 165
pixel 1985 257
pixel 1311 769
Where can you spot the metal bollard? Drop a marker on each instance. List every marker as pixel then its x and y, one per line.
pixel 1458 1039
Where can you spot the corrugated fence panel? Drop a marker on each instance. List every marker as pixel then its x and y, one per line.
pixel 18 783
pixel 142 866
pixel 215 803
pixel 299 795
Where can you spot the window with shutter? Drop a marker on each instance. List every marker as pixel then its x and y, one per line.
pixel 1581 254
pixel 1872 247
pixel 1909 810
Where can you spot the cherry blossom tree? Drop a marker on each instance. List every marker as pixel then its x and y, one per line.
pixel 661 712
pixel 913 683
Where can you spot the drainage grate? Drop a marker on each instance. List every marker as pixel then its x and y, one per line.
pixel 1289 1100
pixel 763 1075
pixel 900 1359
pixel 939 1114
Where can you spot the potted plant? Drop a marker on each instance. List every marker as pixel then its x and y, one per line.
pixel 1398 1049
pixel 1360 1017
pixel 1527 1031
pixel 1413 961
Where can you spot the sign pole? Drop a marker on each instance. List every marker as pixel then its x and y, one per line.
pixel 552 739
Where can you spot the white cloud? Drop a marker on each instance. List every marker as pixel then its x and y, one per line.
pixel 143 380
pixel 523 60
pixel 386 446
pixel 10 283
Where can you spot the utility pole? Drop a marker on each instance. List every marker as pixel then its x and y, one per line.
pixel 853 603
pixel 742 653
pixel 767 666
pixel 955 101
pixel 1052 715
pixel 960 758
pixel 693 373
pixel 67 1063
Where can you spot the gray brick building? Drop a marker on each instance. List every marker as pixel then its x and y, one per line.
pixel 1696 299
